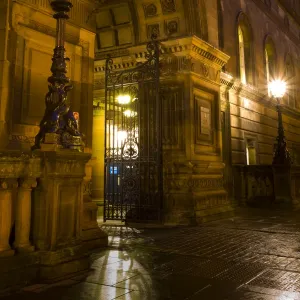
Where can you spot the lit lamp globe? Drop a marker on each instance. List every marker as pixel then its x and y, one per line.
pixel 277 88
pixel 124 99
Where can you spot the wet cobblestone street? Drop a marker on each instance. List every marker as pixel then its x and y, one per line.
pixel 254 255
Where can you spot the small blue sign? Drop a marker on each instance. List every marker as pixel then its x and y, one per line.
pixel 113 170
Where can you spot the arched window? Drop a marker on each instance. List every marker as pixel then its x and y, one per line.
pixel 245 56
pixel 270 60
pixel 289 67
pixel 290 79
pixel 198 19
pixel 242 56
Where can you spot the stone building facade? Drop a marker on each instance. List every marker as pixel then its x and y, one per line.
pixel 217 59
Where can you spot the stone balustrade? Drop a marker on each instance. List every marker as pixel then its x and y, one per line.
pixel 266 185
pixel 254 185
pixel 48 224
pixel 18 174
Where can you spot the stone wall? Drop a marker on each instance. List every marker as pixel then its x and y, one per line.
pixel 30 30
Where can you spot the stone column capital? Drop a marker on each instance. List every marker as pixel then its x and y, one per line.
pixel 27 183
pixel 8 183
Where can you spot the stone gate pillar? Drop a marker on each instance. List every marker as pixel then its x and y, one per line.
pixel 58 213
pixel 98 153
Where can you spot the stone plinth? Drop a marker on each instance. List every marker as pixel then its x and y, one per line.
pixel 286 185
pixel 195 196
pixel 58 213
pixel 282 184
pixel 295 186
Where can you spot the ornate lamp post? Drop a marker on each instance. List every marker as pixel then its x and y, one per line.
pixel 58 118
pixel 281 154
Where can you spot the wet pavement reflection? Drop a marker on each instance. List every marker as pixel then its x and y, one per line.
pixel 255 255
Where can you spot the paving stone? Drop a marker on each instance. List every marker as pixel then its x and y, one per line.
pixel 253 256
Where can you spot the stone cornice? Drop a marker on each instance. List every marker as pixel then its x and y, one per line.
pixel 229 83
pixel 198 49
pixel 48 30
pixel 192 47
pixel 79 14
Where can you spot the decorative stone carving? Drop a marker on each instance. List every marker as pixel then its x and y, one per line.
pixel 172 27
pixel 8 184
pixel 48 30
pixel 192 184
pixel 153 30
pixel 172 65
pixel 217 78
pixel 150 10
pixel 212 201
pixel 116 53
pixel 27 183
pixel 168 6
pixel 21 138
pixel 204 70
pixel 87 187
pixel 203 121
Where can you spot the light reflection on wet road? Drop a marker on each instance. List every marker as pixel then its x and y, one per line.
pixel 252 256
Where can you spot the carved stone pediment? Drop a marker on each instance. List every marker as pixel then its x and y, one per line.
pixel 14 164
pixel 197 49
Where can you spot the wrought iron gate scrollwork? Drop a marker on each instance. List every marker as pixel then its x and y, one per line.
pixel 133 141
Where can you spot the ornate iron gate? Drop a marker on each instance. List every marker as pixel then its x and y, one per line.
pixel 133 141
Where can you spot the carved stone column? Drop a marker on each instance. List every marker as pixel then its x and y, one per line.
pixel 23 215
pixel 6 187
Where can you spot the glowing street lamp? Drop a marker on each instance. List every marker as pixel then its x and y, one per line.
pixel 281 155
pixel 277 88
pixel 123 99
